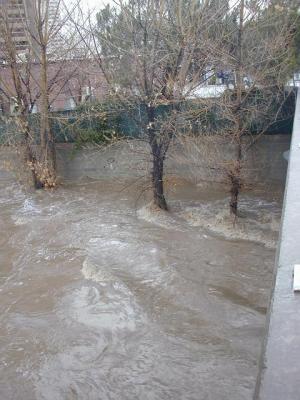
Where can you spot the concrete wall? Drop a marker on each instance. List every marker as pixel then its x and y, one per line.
pixel 207 159
pixel 279 375
pixel 193 160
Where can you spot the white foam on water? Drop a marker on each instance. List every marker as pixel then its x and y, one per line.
pixel 93 272
pixel 259 220
pixel 21 220
pixel 161 218
pixel 26 212
pixel 111 260
pixel 111 308
pixel 29 206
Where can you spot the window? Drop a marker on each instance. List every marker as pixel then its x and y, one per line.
pixel 70 104
pixel 34 109
pixel 13 105
pixel 297 76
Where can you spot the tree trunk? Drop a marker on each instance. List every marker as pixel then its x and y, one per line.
pixel 235 174
pixel 157 178
pixel 48 155
pixel 29 157
pixel 30 160
pixel 236 183
pixel 234 191
pixel 158 158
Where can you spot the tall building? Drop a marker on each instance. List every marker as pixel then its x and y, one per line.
pixel 15 14
pixel 20 16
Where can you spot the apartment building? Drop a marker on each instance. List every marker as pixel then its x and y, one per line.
pixel 73 82
pixel 20 16
pixel 16 14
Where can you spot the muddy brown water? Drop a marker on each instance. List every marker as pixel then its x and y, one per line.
pixel 98 303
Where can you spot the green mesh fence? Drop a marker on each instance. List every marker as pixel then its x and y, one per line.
pixel 93 123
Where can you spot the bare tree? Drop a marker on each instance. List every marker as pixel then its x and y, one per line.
pixel 255 52
pixel 153 54
pixel 15 85
pixel 48 42
pixel 36 76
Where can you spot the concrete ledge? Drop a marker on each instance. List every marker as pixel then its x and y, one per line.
pixel 279 374
pixel 192 159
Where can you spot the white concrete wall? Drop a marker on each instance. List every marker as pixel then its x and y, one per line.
pixel 264 162
pixel 280 363
pixel 190 160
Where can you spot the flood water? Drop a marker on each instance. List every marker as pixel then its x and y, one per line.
pixel 99 302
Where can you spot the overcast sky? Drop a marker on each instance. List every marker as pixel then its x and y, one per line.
pixel 97 4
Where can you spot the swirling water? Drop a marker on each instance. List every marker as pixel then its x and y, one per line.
pixel 100 302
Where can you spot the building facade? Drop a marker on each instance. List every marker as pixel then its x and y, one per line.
pixel 20 16
pixel 71 83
